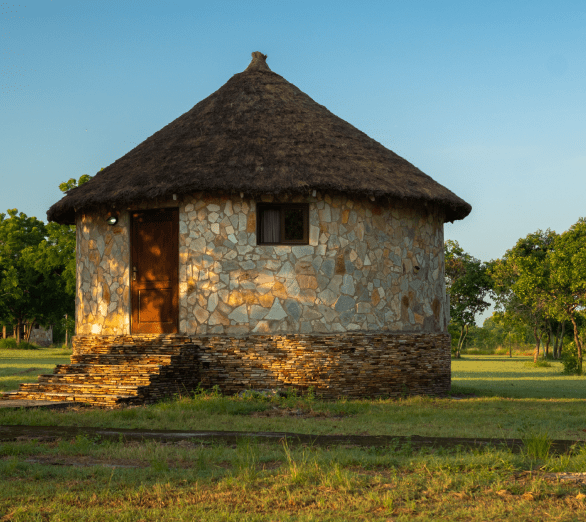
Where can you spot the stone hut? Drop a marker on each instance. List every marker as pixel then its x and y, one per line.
pixel 259 241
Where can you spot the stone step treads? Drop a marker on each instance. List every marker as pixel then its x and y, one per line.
pixel 133 349
pixel 113 370
pixel 84 378
pixel 120 359
pixel 92 389
pixel 98 400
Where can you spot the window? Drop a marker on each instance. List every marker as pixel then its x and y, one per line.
pixel 286 224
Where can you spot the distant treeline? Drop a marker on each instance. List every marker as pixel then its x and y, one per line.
pixel 539 287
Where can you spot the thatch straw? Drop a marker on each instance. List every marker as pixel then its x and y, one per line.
pixel 258 134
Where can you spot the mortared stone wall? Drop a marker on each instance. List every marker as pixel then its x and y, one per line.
pixel 369 267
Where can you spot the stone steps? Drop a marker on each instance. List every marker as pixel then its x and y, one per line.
pixel 117 359
pixel 106 372
pixel 82 389
pixel 126 379
pixel 96 400
pixel 134 349
pixel 110 369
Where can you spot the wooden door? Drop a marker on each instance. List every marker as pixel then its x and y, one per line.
pixel 155 271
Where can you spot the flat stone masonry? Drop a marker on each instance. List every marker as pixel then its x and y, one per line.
pixel 110 370
pixel 349 365
pixel 369 266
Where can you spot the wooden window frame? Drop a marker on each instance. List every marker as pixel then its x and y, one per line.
pixel 260 207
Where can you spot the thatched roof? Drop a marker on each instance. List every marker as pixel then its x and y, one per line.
pixel 258 134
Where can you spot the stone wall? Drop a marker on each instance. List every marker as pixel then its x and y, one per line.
pixel 342 365
pixel 102 300
pixel 42 336
pixel 368 267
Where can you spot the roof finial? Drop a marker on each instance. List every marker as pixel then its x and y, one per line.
pixel 259 62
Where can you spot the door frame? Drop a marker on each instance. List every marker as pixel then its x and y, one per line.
pixel 133 255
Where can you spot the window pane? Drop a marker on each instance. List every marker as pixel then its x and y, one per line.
pixel 270 225
pixel 294 224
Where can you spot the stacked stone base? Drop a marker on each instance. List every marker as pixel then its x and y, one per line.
pixel 114 370
pixel 352 365
pixel 110 370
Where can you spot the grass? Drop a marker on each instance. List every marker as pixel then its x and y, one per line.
pixel 86 479
pixel 18 365
pixel 80 479
pixel 516 377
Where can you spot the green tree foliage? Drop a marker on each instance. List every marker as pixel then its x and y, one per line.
pixel 468 283
pixel 568 277
pixel 72 183
pixel 33 288
pixel 523 286
pixel 37 269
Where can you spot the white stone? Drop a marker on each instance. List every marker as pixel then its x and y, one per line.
pixel 96 329
pixel 348 285
pixel 228 209
pixel 213 207
pixel 313 235
pixel 212 302
pixel 242 222
pixel 240 314
pixel 258 312
pixel 282 250
pixel 276 312
pixel 198 245
pixel 215 228
pixel 301 251
pixel 213 216
pixel 287 270
pixel 328 297
pixel 292 287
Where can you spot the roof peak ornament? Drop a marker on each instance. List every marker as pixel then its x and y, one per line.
pixel 258 63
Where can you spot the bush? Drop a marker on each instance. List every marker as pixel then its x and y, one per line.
pixel 9 343
pixel 23 345
pixel 570 359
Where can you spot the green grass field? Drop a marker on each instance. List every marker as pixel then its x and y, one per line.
pixel 516 377
pixel 493 396
pixel 18 366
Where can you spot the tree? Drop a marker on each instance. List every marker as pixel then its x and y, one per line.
pixel 72 183
pixel 523 286
pixel 37 269
pixel 568 276
pixel 468 283
pixel 32 288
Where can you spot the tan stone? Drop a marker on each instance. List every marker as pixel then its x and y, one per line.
pixel 266 300
pixel 340 268
pixel 235 298
pixel 251 223
pixel 280 291
pixel 218 318
pixel 375 299
pixel 306 281
pixel 250 297
pixel 106 293
pixel 304 267
pixel 345 215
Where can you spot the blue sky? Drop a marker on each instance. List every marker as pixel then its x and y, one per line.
pixel 488 98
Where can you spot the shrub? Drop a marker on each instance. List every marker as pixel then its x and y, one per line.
pixel 570 359
pixel 9 343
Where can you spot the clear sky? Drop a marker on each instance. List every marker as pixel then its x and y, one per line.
pixel 488 98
